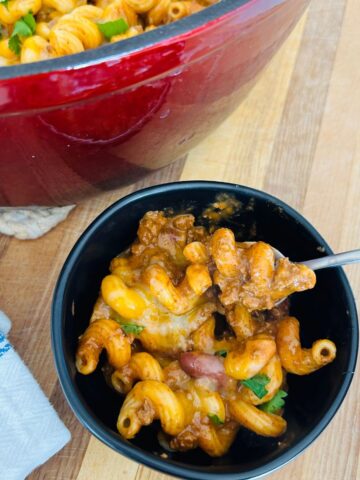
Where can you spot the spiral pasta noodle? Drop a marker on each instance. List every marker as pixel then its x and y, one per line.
pixel 15 9
pixel 74 33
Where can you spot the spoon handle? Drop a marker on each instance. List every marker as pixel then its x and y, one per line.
pixel 334 260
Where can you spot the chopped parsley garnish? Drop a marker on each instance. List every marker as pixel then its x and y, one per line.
pixel 257 384
pixel 215 419
pixel 129 327
pixel 275 404
pixel 25 27
pixel 132 328
pixel 221 353
pixel 109 29
pixel 15 44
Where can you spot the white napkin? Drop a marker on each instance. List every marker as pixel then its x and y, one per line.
pixel 30 429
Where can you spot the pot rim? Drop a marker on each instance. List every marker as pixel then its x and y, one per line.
pixel 114 441
pixel 117 50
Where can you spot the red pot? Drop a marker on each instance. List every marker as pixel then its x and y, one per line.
pixel 75 125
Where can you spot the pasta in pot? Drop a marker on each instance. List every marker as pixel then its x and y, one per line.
pixel 155 320
pixel 34 30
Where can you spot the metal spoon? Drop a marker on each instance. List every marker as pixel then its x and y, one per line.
pixel 337 260
pixel 345 258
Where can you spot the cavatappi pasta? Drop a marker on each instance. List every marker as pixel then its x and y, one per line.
pixel 155 319
pixel 33 30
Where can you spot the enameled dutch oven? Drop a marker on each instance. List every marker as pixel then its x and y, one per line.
pixel 75 125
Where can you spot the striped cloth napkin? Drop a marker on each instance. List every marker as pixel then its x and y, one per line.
pixel 30 429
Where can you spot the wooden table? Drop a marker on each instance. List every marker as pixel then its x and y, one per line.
pixel 296 136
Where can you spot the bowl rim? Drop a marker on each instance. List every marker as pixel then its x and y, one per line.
pixel 113 440
pixel 117 50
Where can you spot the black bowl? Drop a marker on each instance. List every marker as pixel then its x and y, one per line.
pixel 327 311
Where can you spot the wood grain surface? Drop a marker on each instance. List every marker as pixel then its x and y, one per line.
pixel 297 136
